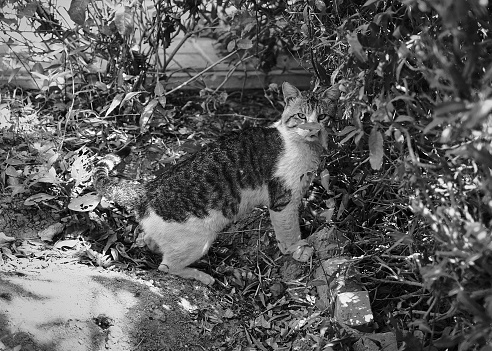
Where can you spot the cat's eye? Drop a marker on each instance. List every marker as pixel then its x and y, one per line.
pixel 300 115
pixel 322 117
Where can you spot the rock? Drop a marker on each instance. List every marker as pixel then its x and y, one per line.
pixel 353 308
pixel 376 342
pixel 325 273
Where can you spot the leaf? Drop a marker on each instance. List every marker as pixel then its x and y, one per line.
pixel 327 214
pixel 85 203
pixel 348 137
pixel 231 45
pixel 115 103
pixel 123 20
pixel 244 44
pixel 50 232
pixel 147 113
pixel 14 162
pixel 356 47
pixel 376 151
pixel 159 89
pixel 325 179
pixel 5 240
pixel 38 67
pixel 480 111
pixel 404 118
pixel 14 73
pixel 77 11
pixel 317 282
pixel 320 5
pixel 346 130
pixel 162 101
pixel 80 171
pixel 34 199
pixel 12 172
pixel 370 2
pixel 71 243
pixel 128 96
pixel 29 10
pixel 449 107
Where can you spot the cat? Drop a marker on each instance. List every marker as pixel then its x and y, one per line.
pixel 182 210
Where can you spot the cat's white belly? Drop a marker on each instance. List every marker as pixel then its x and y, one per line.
pixel 186 241
pixel 251 198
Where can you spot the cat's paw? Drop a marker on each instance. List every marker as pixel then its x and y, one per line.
pixel 205 279
pixel 301 251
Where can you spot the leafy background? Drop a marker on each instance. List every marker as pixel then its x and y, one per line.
pixel 405 189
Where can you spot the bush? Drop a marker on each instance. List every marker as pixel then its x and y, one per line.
pixel 417 77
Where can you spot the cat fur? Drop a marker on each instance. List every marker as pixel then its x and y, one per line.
pixel 183 209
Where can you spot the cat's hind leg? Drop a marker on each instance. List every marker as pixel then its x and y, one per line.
pixel 188 273
pixel 181 244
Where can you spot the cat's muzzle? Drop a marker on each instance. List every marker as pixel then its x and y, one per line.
pixel 311 131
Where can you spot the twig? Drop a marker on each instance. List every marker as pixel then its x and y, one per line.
pixel 201 73
pixel 242 116
pixel 420 285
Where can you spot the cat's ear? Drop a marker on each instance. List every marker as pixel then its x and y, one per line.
pixel 332 93
pixel 290 92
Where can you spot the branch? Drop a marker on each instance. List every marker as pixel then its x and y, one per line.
pixel 201 73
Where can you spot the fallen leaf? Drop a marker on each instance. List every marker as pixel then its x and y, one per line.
pixel 49 233
pixel 5 240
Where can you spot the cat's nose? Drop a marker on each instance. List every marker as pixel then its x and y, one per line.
pixel 312 128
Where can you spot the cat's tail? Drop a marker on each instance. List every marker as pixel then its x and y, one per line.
pixel 128 194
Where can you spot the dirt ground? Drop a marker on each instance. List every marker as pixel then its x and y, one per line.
pixel 59 306
pixel 51 302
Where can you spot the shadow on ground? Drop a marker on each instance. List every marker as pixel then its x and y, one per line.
pixel 81 308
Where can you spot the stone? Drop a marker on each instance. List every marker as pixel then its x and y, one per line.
pixel 353 308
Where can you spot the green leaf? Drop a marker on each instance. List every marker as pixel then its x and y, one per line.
pixel 320 5
pixel 128 96
pixel 346 130
pixel 244 44
pixel 34 199
pixel 317 282
pixel 123 20
pixel 28 10
pixel 348 137
pixel 356 47
pixel 159 89
pixel 376 152
pixel 325 179
pixel 147 113
pixel 404 118
pixel 449 107
pixel 370 2
pixel 77 11
pixel 115 103
pixel 231 45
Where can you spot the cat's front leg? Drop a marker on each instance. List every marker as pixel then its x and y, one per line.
pixel 284 215
pixel 288 234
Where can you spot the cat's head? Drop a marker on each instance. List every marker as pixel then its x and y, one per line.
pixel 306 113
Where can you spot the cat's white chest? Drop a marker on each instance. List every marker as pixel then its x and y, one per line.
pixel 296 161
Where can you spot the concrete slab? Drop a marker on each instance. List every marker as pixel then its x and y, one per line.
pixel 195 55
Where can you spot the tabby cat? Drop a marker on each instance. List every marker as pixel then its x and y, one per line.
pixel 182 210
